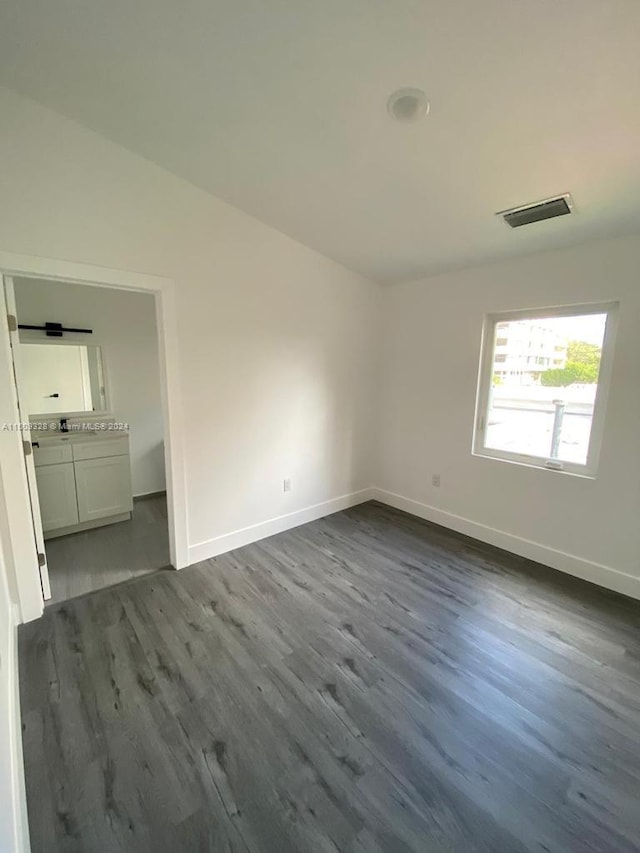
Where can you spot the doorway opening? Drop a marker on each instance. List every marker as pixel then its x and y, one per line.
pixel 92 361
pixel 88 383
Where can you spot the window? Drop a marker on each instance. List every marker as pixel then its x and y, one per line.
pixel 548 410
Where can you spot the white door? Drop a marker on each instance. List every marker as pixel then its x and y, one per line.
pixel 57 493
pixel 10 302
pixel 103 487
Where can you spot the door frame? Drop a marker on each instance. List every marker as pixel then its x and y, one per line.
pixel 31 603
pixel 27 441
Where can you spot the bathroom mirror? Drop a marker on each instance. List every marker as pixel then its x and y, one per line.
pixel 61 379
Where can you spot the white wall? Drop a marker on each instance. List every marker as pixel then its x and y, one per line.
pixel 276 341
pixel 429 368
pixel 124 326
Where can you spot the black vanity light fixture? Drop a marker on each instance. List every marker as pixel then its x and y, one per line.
pixel 54 330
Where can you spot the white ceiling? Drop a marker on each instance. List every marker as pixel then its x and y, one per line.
pixel 278 106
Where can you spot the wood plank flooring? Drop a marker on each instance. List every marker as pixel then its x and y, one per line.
pixel 94 559
pixel 368 682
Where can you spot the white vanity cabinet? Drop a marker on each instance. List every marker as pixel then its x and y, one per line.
pixel 83 482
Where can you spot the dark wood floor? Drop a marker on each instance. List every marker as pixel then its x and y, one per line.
pixel 367 682
pixel 94 559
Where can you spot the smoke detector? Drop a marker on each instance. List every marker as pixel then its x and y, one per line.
pixel 408 105
pixel 548 208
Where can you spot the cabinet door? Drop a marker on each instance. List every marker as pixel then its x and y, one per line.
pixel 104 487
pixel 57 496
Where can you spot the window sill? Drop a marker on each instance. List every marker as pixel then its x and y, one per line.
pixel 534 462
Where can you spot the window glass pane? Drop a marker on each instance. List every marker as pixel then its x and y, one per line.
pixel 544 381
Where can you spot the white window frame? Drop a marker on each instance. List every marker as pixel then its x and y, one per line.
pixel 485 378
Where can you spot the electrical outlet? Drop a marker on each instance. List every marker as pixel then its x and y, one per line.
pixel 435 480
pixel 286 485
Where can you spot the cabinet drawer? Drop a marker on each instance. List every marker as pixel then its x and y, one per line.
pixel 55 455
pixel 100 449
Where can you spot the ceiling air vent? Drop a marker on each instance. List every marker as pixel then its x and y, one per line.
pixel 526 214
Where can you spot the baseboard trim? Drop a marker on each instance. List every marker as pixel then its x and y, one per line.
pixel 86 525
pixel 597 573
pixel 255 532
pixel 145 496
